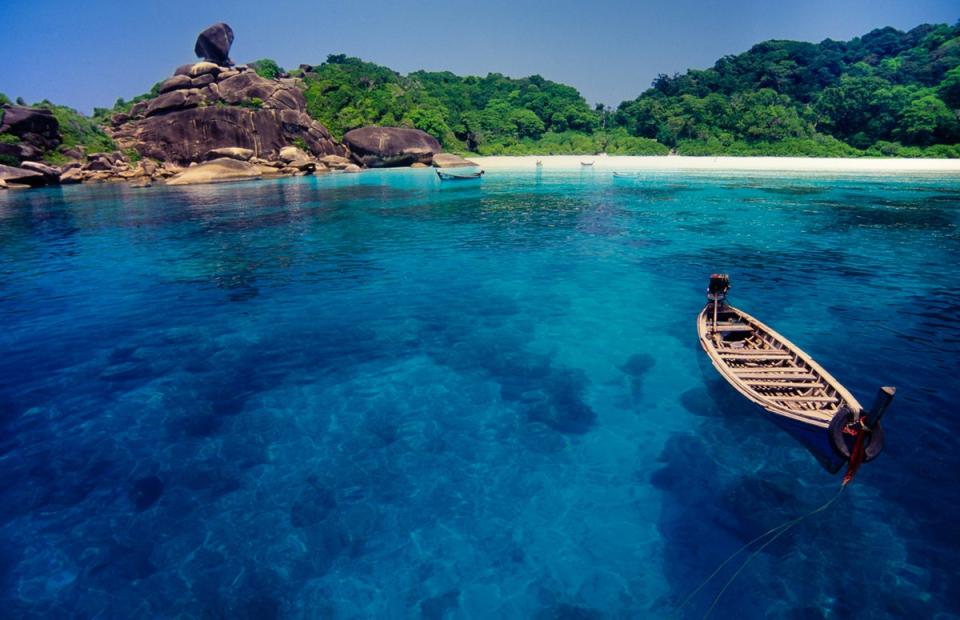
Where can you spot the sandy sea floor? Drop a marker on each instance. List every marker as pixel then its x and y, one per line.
pixel 381 395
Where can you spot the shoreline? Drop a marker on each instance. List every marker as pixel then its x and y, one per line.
pixel 707 164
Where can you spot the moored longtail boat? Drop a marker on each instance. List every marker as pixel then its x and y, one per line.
pixel 459 176
pixel 802 397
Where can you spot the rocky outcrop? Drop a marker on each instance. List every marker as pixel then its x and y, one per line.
pixel 449 160
pixel 37 129
pixel 384 147
pixel 217 171
pixel 290 154
pixel 73 175
pixel 242 125
pixel 214 43
pixel 21 176
pixel 204 109
pixel 51 175
pixel 336 162
pixel 232 152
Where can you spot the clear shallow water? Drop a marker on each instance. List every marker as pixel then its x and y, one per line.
pixel 375 396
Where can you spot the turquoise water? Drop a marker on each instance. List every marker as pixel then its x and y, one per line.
pixel 375 395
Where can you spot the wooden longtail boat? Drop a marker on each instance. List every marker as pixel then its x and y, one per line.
pixel 775 374
pixel 454 176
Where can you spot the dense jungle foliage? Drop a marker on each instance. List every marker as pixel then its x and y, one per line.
pixel 887 93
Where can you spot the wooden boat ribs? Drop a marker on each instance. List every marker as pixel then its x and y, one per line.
pixel 774 373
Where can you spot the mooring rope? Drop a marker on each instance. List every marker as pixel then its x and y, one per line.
pixel 777 531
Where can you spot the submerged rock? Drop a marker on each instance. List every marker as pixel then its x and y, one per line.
pixel 145 492
pixel 218 170
pixel 383 147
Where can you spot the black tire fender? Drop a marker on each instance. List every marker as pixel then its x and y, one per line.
pixel 842 444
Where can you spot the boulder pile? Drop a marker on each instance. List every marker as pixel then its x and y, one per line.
pixel 207 106
pixel 383 147
pixel 210 121
pixel 213 44
pixel 36 128
pixel 214 109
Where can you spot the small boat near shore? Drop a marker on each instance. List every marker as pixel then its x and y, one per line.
pixel 586 163
pixel 446 175
pixel 803 398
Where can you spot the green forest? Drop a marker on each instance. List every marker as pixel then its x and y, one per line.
pixel 888 93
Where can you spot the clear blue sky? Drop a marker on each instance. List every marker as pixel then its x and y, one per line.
pixel 86 54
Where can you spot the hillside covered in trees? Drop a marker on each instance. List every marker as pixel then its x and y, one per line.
pixel 887 93
pixel 488 115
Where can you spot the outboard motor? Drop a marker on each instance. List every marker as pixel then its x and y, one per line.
pixel 717 292
pixel 719 285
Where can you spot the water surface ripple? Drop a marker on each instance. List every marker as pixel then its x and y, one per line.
pixel 378 396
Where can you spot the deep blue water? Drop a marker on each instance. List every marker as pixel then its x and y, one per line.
pixel 375 396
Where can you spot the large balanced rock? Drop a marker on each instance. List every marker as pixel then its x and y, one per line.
pixel 208 106
pixel 217 171
pixel 384 147
pixel 214 43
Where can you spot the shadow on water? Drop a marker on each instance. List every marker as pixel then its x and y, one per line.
pixel 869 211
pixel 636 369
pixel 651 193
pixel 741 475
pixel 542 392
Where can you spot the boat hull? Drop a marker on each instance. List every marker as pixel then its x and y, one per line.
pixel 797 393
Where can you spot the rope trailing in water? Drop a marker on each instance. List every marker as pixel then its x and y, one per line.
pixel 777 532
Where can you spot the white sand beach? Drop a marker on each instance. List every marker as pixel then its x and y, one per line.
pixel 706 164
